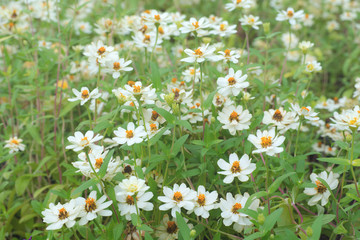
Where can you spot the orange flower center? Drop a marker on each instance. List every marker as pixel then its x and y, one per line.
pixel 131 83
pixel 90 204
pixel 161 30
pixel 173 80
pixel 320 188
pixel 290 13
pixel 130 200
pixel 98 163
pixel 353 121
pixel 153 127
pixel 277 116
pixel 129 134
pixel 201 200
pixel 101 50
pixel 305 108
pixel 171 227
pixel 234 116
pixel 146 39
pixel 192 71
pixel 231 81
pixel 198 52
pixel 222 27
pixel 84 141
pixel 178 196
pixel 14 141
pixel 236 207
pixel 63 214
pixel 84 94
pixel 196 25
pixel 116 66
pixel 157 17
pixel 266 141
pixel 154 115
pixel 235 168
pixel 227 53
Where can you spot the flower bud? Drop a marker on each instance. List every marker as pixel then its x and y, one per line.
pixel 193 233
pixel 309 231
pixel 348 137
pixel 206 40
pixel 266 27
pixel 261 219
pixel 169 98
pixel 175 108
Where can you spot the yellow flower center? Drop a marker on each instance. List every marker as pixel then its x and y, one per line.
pixel 161 30
pixel 310 67
pixel 277 116
pixel 305 109
pixel 266 141
pixel 290 13
pixel 153 127
pixel 192 71
pixel 116 66
pixel 198 52
pixel 157 17
pixel 136 89
pixel 195 24
pixel 353 121
pixel 320 188
pixel 222 27
pixel 227 53
pixel 131 83
pixel 146 39
pixel 14 141
pixel 130 200
pixel 84 141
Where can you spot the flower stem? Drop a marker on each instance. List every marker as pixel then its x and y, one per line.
pixel 351 162
pixel 297 136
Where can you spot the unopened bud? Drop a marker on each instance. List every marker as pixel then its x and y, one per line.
pixel 309 231
pixel 193 233
pixel 169 98
pixel 206 40
pixel 261 219
pixel 175 108
pixel 266 27
pixel 348 137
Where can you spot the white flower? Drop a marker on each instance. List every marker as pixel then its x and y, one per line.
pixel 204 202
pixel 84 95
pixel 236 168
pixel 191 74
pixel 229 56
pixel 131 135
pixel 222 101
pixel 126 203
pixel 169 230
pixel 282 119
pixel 79 141
pixel 131 186
pixel 250 20
pixel 14 144
pixel 98 52
pixel 58 215
pixel 195 26
pixel 306 112
pixel 90 208
pixel 289 39
pixel 267 141
pixel 177 198
pixel 290 15
pixel 237 4
pixel 313 66
pixel 116 66
pixel 200 55
pixel 229 210
pixel 305 45
pixel 348 120
pixel 233 83
pixel 320 192
pixel 234 119
pixel 223 29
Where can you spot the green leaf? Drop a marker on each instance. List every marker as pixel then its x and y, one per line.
pixel 184 124
pixel 67 108
pixel 105 164
pixel 183 227
pixel 178 144
pixel 340 229
pixel 170 118
pixel 155 76
pixel 37 206
pixel 271 219
pixel 21 184
pixel 275 185
pixel 316 227
pixel 209 99
pixel 83 186
pixel 157 136
pixel 102 125
pixel 356 163
pixel 340 161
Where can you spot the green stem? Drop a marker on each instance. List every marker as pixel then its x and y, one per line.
pixel 297 136
pixel 351 164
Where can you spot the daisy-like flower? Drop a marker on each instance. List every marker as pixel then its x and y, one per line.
pixel 90 208
pixel 177 198
pixel 153 17
pixel 118 65
pixel 348 120
pixel 222 101
pixel 223 29
pixel 236 168
pixel 289 15
pixel 234 118
pixel 313 66
pixel 169 229
pixel 267 141
pixel 233 83
pixel 84 95
pixel 98 52
pixel 190 74
pixel 305 46
pixel 237 4
pixel 58 215
pixel 282 119
pixel 14 144
pixel 320 192
pixel 130 135
pixel 204 202
pixel 200 55
pixel 306 112
pixel 79 141
pixel 195 26
pixel 229 210
pixel 131 186
pixel 251 20
pixel 229 56
pixel 126 203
